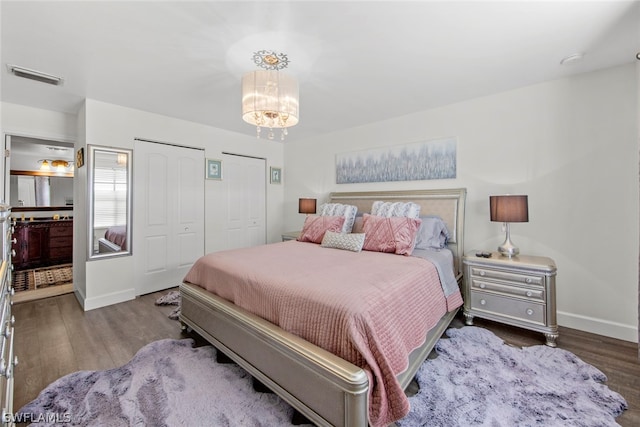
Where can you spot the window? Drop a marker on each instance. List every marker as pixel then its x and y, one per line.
pixel 110 191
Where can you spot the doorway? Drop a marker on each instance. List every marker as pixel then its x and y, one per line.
pixel 38 184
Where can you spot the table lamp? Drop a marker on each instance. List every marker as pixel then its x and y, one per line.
pixel 508 209
pixel 307 206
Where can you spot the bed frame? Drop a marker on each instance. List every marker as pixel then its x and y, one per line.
pixel 325 388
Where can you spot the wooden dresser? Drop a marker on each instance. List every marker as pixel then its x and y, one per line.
pixel 41 243
pixel 8 359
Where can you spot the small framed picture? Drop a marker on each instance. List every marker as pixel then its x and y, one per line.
pixel 214 169
pixel 79 158
pixel 276 176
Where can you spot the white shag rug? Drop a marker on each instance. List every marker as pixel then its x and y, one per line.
pixel 476 380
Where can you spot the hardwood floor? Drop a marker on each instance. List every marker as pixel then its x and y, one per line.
pixel 54 337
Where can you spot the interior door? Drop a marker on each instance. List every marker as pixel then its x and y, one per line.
pixel 245 187
pixel 168 213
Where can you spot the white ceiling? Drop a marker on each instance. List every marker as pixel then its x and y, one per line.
pixel 357 61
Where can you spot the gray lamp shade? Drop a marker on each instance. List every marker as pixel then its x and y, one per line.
pixel 509 208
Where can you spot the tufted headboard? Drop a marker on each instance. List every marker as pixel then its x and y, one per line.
pixel 448 204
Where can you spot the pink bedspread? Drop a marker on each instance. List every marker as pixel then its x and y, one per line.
pixel 369 308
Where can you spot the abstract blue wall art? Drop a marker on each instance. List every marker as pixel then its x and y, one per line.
pixel 434 159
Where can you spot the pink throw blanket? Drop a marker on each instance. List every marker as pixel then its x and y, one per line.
pixel 369 308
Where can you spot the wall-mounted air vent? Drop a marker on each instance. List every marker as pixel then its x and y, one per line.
pixel 35 75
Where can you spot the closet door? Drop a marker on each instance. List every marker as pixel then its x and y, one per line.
pixel 245 187
pixel 168 214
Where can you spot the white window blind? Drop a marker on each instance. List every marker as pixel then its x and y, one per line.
pixel 110 196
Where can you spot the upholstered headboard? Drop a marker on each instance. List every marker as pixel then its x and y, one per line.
pixel 448 204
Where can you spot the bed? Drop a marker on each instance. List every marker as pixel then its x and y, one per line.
pixel 326 388
pixel 114 240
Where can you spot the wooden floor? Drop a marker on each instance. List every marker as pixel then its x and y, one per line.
pixel 54 337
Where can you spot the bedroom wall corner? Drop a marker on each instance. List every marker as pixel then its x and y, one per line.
pixel 570 144
pixel 638 162
pixel 80 232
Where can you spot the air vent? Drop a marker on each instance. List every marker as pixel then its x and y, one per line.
pixel 35 75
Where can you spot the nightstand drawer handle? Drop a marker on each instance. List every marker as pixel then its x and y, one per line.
pixel 483 302
pixel 482 273
pixel 529 293
pixel 482 286
pixel 528 280
pixel 530 311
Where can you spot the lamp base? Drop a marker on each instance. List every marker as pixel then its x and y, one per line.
pixel 507 248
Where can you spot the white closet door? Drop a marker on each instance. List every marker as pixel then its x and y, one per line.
pixel 168 214
pixel 245 186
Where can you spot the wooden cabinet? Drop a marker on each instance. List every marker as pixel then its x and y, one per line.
pixel 42 243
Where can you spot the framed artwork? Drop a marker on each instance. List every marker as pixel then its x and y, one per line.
pixel 275 175
pixel 214 169
pixel 80 158
pixel 432 159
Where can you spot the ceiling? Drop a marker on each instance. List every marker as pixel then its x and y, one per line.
pixel 357 61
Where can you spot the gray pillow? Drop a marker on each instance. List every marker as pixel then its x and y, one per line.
pixel 432 233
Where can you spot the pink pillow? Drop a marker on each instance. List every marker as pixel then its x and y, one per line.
pixel 315 227
pixel 390 234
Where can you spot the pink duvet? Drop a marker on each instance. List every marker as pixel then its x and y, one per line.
pixel 369 308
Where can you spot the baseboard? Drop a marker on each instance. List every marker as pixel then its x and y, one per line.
pixel 108 299
pixel 79 296
pixel 598 326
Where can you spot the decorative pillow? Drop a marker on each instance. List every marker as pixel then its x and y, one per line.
pixel 432 233
pixel 389 209
pixel 338 209
pixel 393 234
pixel 357 225
pixel 315 227
pixel 349 242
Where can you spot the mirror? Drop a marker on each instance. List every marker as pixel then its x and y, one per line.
pixel 109 185
pixel 32 189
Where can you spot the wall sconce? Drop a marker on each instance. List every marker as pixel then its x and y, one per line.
pixel 57 165
pixel 60 165
pixel 307 206
pixel 508 209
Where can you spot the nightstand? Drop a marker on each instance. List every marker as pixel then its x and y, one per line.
pixel 290 235
pixel 519 291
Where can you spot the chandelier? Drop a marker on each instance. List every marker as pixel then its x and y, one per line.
pixel 270 97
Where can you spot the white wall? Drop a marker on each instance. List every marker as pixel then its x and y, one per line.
pixel 38 123
pixel 111 280
pixel 570 144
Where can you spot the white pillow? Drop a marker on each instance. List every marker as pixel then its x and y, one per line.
pixel 389 209
pixel 338 209
pixel 349 242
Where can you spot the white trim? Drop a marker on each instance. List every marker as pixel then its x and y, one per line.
pixel 68 139
pixel 109 299
pixel 598 326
